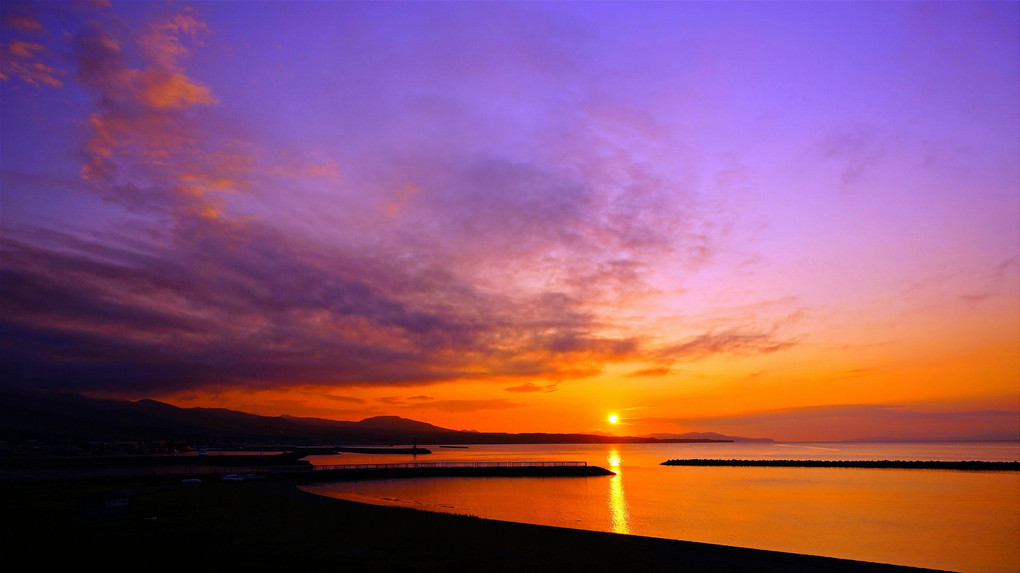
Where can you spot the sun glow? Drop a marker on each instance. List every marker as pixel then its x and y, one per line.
pixel 613 418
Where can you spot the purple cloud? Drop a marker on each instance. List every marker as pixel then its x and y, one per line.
pixel 488 191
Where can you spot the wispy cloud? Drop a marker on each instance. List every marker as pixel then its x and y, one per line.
pixel 859 148
pixel 24 57
pixel 469 405
pixel 23 23
pixel 528 387
pixel 282 310
pixel 655 371
pixel 726 342
pixel 350 399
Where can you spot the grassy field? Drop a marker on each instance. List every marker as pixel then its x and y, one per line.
pixel 270 525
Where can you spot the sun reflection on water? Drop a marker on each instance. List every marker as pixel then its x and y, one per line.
pixel 618 515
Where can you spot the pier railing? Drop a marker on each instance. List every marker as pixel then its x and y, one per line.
pixel 416 465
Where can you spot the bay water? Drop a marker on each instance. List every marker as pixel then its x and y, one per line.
pixel 967 521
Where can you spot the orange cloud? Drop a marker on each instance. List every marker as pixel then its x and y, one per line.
pixel 23 60
pixel 152 138
pixel 142 150
pixel 526 387
pixel 162 42
pixel 655 371
pixel 198 184
pixel 399 200
pixel 23 23
pixel 21 49
pixel 34 73
pixel 174 91
pixel 161 84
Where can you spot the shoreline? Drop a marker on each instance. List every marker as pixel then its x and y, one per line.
pixel 269 524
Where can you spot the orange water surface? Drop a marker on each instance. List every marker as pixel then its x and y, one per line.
pixel 954 520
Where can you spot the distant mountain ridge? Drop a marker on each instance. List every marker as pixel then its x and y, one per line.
pixel 711 436
pixel 71 417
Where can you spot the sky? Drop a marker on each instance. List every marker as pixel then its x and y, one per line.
pixel 788 220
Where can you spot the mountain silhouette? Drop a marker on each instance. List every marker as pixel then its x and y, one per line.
pixel 71 418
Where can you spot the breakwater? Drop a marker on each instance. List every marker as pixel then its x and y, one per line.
pixel 355 472
pixel 305 472
pixel 406 451
pixel 880 464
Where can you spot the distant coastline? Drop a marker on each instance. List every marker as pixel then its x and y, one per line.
pixel 70 424
pixel 74 424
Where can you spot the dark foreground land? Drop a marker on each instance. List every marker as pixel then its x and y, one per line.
pixel 270 525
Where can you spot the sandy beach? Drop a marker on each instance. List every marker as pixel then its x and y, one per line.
pixel 270 525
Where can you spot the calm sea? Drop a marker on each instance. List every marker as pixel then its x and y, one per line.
pixel 954 520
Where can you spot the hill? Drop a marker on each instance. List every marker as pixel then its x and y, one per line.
pixel 70 418
pixel 710 436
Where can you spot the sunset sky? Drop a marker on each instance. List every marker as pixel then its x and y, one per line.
pixel 788 220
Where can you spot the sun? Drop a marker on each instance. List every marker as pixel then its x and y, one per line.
pixel 613 418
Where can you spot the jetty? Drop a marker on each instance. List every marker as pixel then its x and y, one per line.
pixel 355 472
pixel 277 468
pixel 407 451
pixel 866 464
